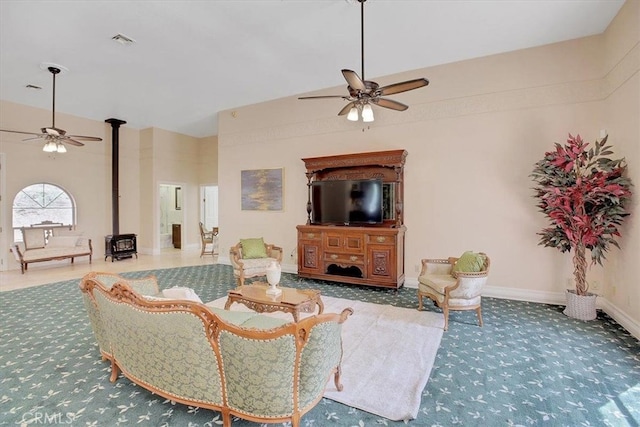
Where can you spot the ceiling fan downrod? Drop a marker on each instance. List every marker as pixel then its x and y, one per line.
pixel 54 71
pixel 362 38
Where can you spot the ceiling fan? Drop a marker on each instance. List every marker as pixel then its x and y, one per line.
pixel 55 137
pixel 363 93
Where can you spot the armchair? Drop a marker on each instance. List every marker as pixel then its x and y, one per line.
pixel 207 239
pixel 454 283
pixel 251 257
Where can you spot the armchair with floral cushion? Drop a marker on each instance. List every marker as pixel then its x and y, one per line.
pixel 454 283
pixel 251 257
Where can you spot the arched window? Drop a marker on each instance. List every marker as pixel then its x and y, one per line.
pixel 40 203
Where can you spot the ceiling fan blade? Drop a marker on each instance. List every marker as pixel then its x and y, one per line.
pixel 403 86
pixel 71 141
pixel 34 138
pixel 347 108
pixel 17 131
pixel 388 103
pixel 323 96
pixel 84 138
pixel 355 82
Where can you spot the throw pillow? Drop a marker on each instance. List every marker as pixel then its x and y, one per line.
pixel 253 248
pixel 469 262
pixel 33 238
pixel 62 241
pixel 181 293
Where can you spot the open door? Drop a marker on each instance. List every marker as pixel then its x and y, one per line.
pixel 209 206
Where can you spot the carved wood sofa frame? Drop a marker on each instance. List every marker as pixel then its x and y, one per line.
pixel 225 377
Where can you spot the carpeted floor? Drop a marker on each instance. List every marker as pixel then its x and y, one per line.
pixel 529 365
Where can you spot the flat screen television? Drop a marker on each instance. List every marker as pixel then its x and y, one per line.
pixel 346 202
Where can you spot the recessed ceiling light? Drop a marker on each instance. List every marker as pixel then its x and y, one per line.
pixel 122 39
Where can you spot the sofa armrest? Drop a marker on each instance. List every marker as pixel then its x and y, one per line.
pixel 468 285
pixel 275 252
pixel 17 253
pixel 235 256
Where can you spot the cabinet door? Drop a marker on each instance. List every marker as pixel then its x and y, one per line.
pixel 309 252
pixel 310 257
pixel 381 262
pixel 333 241
pixel 344 241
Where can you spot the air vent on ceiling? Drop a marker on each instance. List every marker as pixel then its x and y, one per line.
pixel 122 39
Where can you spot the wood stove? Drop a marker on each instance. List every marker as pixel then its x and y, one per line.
pixel 116 245
pixel 120 246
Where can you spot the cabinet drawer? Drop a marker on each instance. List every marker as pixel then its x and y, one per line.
pixel 344 258
pixel 380 239
pixel 310 235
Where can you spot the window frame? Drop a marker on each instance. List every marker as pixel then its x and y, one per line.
pixel 17 235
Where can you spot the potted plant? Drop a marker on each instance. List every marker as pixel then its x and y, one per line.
pixel 583 193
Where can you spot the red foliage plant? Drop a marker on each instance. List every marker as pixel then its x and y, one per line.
pixel 584 194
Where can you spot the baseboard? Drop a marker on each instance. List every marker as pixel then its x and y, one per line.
pixel 619 316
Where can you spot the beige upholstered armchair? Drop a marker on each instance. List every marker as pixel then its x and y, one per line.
pixel 251 257
pixel 454 283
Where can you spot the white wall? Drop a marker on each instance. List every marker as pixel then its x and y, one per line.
pixel 473 136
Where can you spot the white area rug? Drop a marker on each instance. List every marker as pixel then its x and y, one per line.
pixel 388 356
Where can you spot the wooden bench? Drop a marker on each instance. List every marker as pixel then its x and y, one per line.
pixel 49 241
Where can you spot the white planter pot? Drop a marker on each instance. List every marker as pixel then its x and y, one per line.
pixel 581 307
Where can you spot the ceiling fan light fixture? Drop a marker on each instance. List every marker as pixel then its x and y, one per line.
pixel 353 114
pixel 367 113
pixel 61 148
pixel 50 147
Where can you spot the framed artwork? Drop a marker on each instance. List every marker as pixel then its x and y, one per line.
pixel 262 189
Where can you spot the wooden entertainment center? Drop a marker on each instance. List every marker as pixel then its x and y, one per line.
pixel 365 255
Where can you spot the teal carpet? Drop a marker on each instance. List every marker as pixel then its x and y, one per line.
pixel 528 366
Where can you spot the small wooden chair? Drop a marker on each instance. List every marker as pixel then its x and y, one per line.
pixel 208 238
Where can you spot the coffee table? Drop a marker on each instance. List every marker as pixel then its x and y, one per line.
pixel 291 300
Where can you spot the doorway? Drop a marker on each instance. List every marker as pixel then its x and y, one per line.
pixel 209 206
pixel 170 235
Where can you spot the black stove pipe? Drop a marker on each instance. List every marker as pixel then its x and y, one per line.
pixel 115 163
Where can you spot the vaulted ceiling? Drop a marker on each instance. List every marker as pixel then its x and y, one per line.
pixel 192 59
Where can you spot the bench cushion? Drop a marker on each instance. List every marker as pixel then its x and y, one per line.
pixel 62 242
pixel 45 253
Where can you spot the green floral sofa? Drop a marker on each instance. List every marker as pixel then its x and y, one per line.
pixel 238 363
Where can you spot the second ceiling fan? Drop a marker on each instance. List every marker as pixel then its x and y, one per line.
pixel 54 137
pixel 363 93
